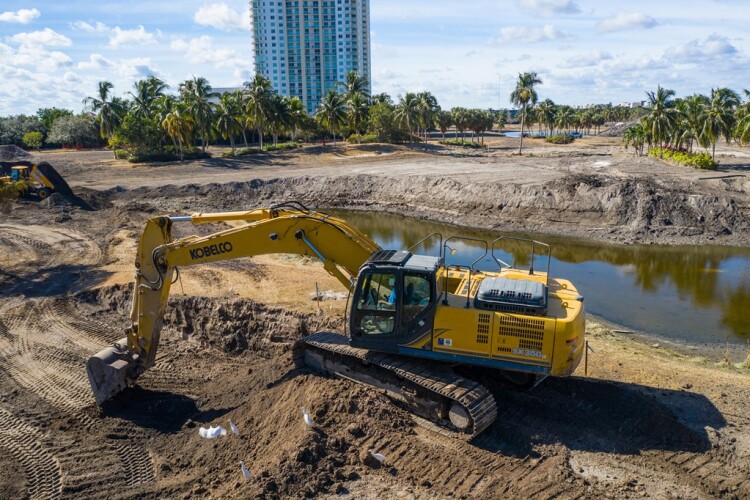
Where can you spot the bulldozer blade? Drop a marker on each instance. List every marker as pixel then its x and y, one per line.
pixel 111 370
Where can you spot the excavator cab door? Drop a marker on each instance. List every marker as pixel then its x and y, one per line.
pixel 391 306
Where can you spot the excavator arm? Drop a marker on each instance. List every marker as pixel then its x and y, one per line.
pixel 286 228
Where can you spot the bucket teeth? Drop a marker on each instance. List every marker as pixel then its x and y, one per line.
pixel 111 370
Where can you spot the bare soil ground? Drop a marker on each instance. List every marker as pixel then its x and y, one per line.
pixel 644 422
pixel 592 188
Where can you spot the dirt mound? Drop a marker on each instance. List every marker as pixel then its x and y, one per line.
pixel 67 196
pixel 12 152
pixel 230 325
pixel 617 129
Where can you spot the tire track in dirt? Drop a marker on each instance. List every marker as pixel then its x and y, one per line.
pixel 40 466
pixel 45 357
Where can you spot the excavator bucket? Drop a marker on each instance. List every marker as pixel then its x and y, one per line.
pixel 111 370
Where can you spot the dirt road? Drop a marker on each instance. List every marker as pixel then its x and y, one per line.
pixel 644 422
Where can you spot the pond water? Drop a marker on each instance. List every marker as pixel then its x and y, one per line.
pixel 698 294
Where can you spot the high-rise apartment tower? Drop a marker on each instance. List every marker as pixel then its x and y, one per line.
pixel 305 46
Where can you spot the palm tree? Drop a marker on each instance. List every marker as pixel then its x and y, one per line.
pixel 460 117
pixel 523 95
pixel 257 94
pixel 357 109
pixel 661 115
pixel 146 92
pixel 743 120
pixel 407 111
pixel 179 124
pixel 196 93
pixel 444 121
pixel 689 119
pixel 427 106
pixel 331 112
pixel 565 118
pixel 227 119
pixel 297 116
pixel 161 108
pixel 546 114
pixel 279 116
pixel 382 98
pixel 719 117
pixel 107 112
pixel 354 83
pixel 635 135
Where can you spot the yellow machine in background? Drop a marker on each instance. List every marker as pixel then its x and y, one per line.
pixel 411 319
pixel 37 182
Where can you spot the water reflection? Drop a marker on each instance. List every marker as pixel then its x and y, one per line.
pixel 696 293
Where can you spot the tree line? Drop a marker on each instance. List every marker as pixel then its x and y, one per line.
pixel 150 118
pixel 696 120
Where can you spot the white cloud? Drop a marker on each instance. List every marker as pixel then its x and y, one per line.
pixel 222 17
pixel 530 35
pixel 549 7
pixel 584 60
pixel 22 16
pixel 623 21
pixel 46 37
pixel 137 36
pixel 90 28
pixel 134 69
pixel 713 46
pixel 201 50
pixel 96 61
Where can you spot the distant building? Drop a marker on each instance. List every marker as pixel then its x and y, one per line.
pixel 305 46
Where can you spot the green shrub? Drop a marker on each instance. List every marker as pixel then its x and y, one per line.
pixel 163 154
pixel 33 140
pixel 12 190
pixel 241 152
pixel 461 143
pixel 362 138
pixel 282 146
pixel 702 161
pixel 400 136
pixel 560 139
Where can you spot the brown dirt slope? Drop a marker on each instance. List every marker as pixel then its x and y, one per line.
pixel 583 204
pixel 569 438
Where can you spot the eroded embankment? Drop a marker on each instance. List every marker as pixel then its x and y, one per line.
pixel 601 207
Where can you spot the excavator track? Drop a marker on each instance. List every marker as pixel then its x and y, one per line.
pixel 458 406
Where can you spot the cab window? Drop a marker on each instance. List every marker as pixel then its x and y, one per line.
pixel 378 293
pixel 417 296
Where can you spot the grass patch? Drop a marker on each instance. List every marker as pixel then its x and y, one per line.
pixel 164 154
pixel 283 146
pixel 362 138
pixel 461 143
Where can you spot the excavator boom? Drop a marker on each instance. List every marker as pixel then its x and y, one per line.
pixel 287 228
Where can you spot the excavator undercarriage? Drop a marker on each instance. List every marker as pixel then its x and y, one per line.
pixel 431 390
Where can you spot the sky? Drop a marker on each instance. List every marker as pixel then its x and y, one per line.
pixel 468 53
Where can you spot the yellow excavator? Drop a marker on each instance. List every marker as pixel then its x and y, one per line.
pixel 412 318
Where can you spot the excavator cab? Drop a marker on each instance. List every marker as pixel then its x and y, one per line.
pixel 19 174
pixel 394 300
